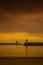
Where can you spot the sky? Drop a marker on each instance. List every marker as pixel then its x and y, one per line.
pixel 21 17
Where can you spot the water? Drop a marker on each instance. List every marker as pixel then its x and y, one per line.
pixel 20 51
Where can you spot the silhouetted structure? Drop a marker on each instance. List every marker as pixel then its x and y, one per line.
pixel 16 42
pixel 26 43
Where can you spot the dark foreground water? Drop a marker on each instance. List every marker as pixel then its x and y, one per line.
pixel 21 61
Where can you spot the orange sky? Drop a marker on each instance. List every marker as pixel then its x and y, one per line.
pixel 20 37
pixel 17 17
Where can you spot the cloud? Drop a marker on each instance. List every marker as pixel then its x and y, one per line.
pixel 32 23
pixel 30 6
pixel 21 16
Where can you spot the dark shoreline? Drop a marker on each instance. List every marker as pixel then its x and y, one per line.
pixel 21 57
pixel 29 44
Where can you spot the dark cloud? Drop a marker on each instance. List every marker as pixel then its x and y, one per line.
pixel 21 5
pixel 21 16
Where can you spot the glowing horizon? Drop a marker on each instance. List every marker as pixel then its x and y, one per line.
pixel 20 36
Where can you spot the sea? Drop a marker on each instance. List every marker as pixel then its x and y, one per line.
pixel 21 51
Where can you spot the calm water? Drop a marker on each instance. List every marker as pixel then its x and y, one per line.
pixel 20 51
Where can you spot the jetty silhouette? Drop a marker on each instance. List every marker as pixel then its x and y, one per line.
pixel 29 44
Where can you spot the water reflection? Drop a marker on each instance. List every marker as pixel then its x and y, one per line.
pixel 20 51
